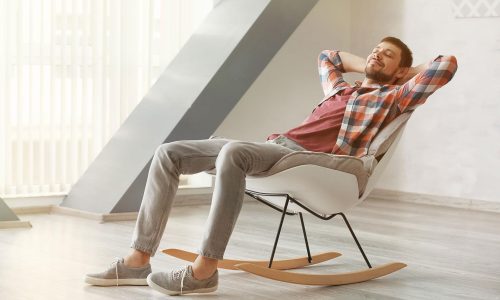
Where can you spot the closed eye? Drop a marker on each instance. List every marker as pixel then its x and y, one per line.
pixel 389 54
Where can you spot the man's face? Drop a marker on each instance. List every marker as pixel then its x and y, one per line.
pixel 382 65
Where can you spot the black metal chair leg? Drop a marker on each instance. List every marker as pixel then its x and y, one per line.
pixel 279 231
pixel 356 240
pixel 309 258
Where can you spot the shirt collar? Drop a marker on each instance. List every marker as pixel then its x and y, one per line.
pixel 358 83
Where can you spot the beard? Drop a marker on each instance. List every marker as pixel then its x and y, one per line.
pixel 378 76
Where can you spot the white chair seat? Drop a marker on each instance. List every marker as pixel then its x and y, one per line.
pixel 311 185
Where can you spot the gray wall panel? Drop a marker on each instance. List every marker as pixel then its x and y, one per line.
pixel 6 214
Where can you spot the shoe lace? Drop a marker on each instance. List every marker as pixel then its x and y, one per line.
pixel 115 263
pixel 180 274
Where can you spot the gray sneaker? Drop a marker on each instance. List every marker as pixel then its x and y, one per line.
pixel 182 281
pixel 119 274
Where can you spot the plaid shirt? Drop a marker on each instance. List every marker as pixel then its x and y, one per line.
pixel 369 109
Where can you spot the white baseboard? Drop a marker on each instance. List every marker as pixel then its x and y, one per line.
pixel 24 203
pixel 464 203
pixel 14 224
pixel 116 217
pixel 76 213
pixel 34 209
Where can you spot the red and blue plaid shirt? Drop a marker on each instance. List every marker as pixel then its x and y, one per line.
pixel 369 109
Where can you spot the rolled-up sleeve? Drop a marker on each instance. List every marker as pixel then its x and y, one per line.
pixel 416 91
pixel 330 70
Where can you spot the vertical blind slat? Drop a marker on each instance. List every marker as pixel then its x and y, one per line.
pixel 40 158
pixel 85 109
pixel 65 101
pixel 17 146
pixel 49 103
pixel 75 95
pixel 29 99
pixel 4 104
pixel 3 96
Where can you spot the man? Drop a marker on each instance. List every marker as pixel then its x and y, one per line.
pixel 345 122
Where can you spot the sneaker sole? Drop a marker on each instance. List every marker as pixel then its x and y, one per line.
pixel 114 282
pixel 163 290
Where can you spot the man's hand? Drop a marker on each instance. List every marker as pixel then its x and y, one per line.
pixel 352 63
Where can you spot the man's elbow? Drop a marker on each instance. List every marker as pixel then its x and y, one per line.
pixel 323 55
pixel 326 54
pixel 452 59
pixel 450 62
pixel 446 65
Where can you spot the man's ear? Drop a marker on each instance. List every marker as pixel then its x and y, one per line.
pixel 401 75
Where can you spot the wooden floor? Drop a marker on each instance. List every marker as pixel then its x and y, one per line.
pixel 451 253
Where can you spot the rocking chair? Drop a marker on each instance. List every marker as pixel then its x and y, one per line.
pixel 325 186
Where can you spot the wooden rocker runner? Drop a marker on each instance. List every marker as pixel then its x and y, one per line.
pixel 324 185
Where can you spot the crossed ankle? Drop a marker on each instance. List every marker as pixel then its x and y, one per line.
pixel 135 263
pixel 202 274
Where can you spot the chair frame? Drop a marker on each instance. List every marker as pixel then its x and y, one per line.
pixel 289 199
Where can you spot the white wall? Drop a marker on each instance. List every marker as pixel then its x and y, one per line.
pixel 452 143
pixel 288 89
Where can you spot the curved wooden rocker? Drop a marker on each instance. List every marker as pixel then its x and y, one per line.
pixel 314 279
pixel 324 185
pixel 231 264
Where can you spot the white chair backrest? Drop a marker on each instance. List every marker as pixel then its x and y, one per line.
pixel 384 145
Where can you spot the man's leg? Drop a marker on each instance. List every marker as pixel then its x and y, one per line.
pixel 170 160
pixel 235 161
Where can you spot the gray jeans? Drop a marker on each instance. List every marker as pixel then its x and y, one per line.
pixel 232 160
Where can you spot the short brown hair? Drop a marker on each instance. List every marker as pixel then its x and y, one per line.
pixel 406 55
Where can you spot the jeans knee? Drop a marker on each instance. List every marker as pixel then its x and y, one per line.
pixel 169 152
pixel 233 153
